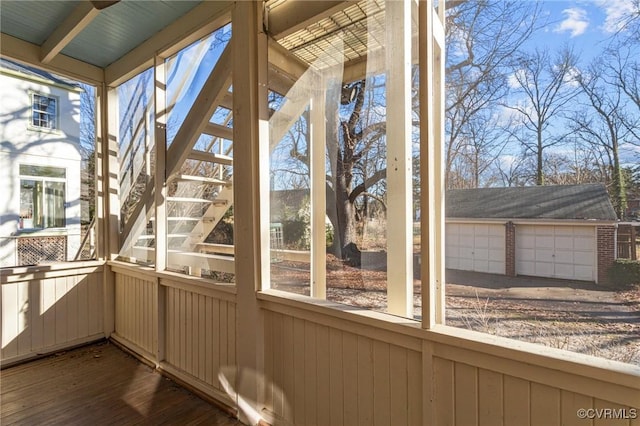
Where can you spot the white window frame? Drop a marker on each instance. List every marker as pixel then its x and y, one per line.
pixel 44 180
pixel 52 117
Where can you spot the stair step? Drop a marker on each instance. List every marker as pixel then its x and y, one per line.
pixel 219 131
pixel 211 157
pixel 185 219
pixel 188 200
pixel 151 237
pixel 203 179
pixel 197 235
pixel 216 202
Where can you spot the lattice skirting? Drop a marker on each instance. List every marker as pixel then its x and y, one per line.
pixel 37 250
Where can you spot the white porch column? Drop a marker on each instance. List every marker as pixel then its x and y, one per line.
pixel 161 163
pixel 251 192
pixel 108 188
pixel 160 194
pixel 111 169
pixel 399 194
pixel 431 48
pixel 318 133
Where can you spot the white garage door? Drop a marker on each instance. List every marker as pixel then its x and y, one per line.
pixel 475 247
pixel 567 252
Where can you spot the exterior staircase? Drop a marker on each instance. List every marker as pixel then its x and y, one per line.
pixel 200 195
pixel 199 179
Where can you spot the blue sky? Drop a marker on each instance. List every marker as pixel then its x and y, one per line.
pixel 587 24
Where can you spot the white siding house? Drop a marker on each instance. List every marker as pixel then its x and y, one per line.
pixel 40 163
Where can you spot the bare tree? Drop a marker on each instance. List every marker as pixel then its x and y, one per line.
pixel 628 23
pixel 621 71
pixel 356 148
pixel 482 39
pixel 88 149
pixel 605 125
pixel 511 170
pixel 581 166
pixel 352 142
pixel 482 141
pixel 546 86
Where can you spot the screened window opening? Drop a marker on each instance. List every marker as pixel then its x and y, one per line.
pixel 540 162
pixel 344 163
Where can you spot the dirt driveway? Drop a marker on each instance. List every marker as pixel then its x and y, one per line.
pixel 574 315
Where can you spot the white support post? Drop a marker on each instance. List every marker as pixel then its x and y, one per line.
pixel 432 171
pixel 160 180
pixel 318 206
pixel 112 175
pixel 431 98
pixel 439 168
pixel 160 194
pixel 108 203
pixel 399 194
pixel 101 153
pixel 251 200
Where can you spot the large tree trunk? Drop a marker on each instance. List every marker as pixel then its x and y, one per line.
pixel 346 226
pixel 340 204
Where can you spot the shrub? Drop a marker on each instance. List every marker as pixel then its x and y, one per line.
pixel 293 234
pixel 328 234
pixel 624 273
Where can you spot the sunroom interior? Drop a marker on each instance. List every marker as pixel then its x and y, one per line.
pixel 200 106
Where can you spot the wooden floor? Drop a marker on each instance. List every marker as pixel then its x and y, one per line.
pixel 98 385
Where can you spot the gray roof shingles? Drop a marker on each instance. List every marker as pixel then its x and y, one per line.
pixel 35 72
pixel 557 202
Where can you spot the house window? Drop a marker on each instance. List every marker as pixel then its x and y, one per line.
pixel 44 111
pixel 42 197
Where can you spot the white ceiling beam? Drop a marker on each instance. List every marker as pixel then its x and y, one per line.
pixel 278 82
pixel 357 69
pixel 194 25
pixel 74 23
pixel 354 70
pixel 29 53
pixel 288 17
pixel 284 61
pixel 284 68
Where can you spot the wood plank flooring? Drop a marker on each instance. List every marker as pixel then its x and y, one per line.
pixel 98 385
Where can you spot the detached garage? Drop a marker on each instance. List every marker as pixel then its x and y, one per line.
pixel 556 251
pixel 560 231
pixel 476 247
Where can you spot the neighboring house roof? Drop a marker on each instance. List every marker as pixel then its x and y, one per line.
pixel 38 74
pixel 586 201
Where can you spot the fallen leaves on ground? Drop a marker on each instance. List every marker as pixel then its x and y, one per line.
pixel 601 328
